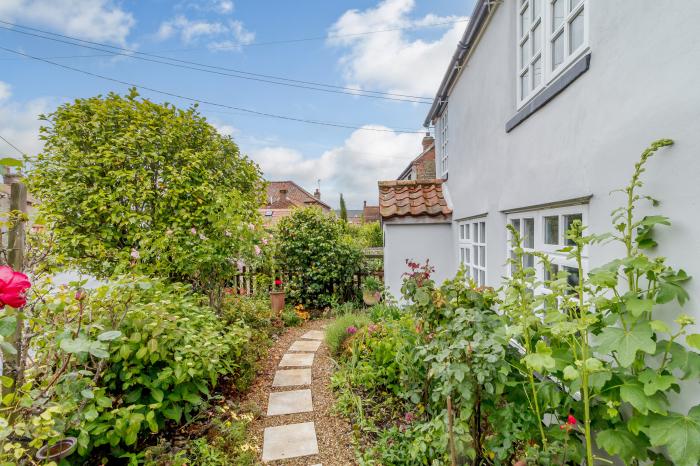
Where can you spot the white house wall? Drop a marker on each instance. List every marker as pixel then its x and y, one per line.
pixel 643 84
pixel 417 242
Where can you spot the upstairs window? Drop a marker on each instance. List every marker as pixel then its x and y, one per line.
pixel 551 35
pixel 442 136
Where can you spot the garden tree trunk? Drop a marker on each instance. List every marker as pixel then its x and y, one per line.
pixel 16 246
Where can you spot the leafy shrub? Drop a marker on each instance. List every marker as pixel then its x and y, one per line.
pixel 291 318
pixel 337 332
pixel 367 235
pixel 320 259
pixel 125 182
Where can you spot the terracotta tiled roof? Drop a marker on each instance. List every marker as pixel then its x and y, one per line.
pixel 412 198
pixel 296 196
pixel 371 213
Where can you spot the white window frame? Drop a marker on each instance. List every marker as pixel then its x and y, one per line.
pixel 546 39
pixel 442 139
pixel 471 248
pixel 552 250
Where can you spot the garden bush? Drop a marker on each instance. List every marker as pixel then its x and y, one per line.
pixel 127 183
pixel 342 328
pixel 117 364
pixel 319 258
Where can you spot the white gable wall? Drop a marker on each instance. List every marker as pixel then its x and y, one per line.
pixel 643 84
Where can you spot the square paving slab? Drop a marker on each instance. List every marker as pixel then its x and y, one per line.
pixel 313 335
pixel 291 377
pixel 290 441
pixel 297 360
pixel 294 401
pixel 305 345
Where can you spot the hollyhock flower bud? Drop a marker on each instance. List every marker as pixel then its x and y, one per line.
pixel 13 286
pixel 80 295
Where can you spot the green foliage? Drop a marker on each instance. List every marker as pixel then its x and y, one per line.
pixel 371 284
pixel 119 362
pixel 367 235
pixel 290 318
pixel 343 209
pixel 337 332
pixel 128 183
pixel 320 259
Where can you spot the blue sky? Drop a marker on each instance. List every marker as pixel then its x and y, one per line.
pixel 233 34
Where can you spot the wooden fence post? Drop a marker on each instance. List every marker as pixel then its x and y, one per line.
pixel 16 245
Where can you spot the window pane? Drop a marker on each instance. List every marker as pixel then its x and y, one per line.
pixel 558 13
pixel 524 85
pixel 558 50
pixel 482 278
pixel 476 255
pixel 574 3
pixel 536 39
pixel 524 20
pixel 514 264
pixel 466 255
pixel 483 232
pixel 528 261
pixel 576 32
pixel 525 53
pixel 529 233
pixel 466 231
pixel 461 255
pixel 482 256
pixel 568 221
pixel 537 8
pixel 476 232
pixel 572 277
pixel 468 272
pixel 516 224
pixel 537 72
pixel 551 272
pixel 551 230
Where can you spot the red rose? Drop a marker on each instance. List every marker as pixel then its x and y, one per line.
pixel 571 420
pixel 13 286
pixel 278 282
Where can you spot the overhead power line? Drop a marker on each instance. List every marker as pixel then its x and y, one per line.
pixel 202 101
pixel 237 73
pixel 12 145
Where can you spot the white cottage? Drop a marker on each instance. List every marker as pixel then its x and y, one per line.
pixel 543 110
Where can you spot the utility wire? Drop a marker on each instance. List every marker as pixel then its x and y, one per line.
pixel 131 53
pixel 220 73
pixel 11 145
pixel 206 102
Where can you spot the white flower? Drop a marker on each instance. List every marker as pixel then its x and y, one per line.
pixel 251 226
pixel 227 233
pixel 202 237
pixel 169 232
pixel 193 230
pixel 135 254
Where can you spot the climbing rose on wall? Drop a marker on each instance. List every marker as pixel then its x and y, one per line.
pixel 13 286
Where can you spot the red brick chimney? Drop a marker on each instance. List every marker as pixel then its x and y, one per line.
pixel 283 194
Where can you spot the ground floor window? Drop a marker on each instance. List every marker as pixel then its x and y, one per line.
pixel 545 231
pixel 472 248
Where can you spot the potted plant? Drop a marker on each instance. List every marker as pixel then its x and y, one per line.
pixel 371 290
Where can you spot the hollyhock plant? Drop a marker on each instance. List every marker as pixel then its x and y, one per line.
pixel 13 286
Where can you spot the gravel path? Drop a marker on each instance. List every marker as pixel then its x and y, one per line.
pixel 334 434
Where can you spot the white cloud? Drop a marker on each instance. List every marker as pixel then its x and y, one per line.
pixel 391 60
pixel 225 130
pixel 19 123
pixel 230 34
pixel 99 20
pixel 352 168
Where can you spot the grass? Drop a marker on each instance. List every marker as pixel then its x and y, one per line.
pixel 337 332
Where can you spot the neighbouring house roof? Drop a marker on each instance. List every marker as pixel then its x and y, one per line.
pixel 477 21
pixel 370 213
pixel 424 165
pixel 412 198
pixel 296 196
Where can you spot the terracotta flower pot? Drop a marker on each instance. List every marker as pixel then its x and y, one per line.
pixel 277 300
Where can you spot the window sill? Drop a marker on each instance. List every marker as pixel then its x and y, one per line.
pixel 548 93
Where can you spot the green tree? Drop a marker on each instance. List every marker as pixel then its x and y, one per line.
pixel 343 209
pixel 317 254
pixel 126 183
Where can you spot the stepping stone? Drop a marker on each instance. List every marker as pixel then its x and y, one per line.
pixel 294 401
pixel 297 360
pixel 291 377
pixel 305 345
pixel 290 441
pixel 314 335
